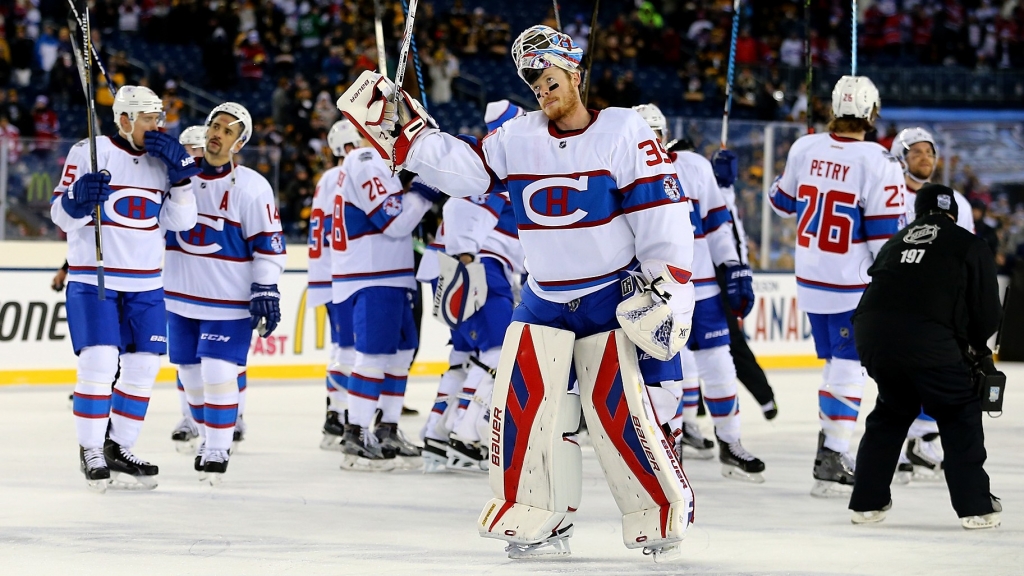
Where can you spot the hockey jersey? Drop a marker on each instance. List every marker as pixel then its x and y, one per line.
pixel 237 241
pixel 847 197
pixel 713 242
pixel 371 242
pixel 134 217
pixel 739 235
pixel 588 203
pixel 320 229
pixel 964 215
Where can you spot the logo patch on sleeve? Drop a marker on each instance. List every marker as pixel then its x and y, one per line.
pixel 392 206
pixel 672 189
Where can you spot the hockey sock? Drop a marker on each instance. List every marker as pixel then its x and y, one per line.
pixel 923 424
pixel 96 368
pixel 364 387
pixel 220 402
pixel 691 387
pixel 719 374
pixel 473 411
pixel 182 398
pixel 392 392
pixel 191 378
pixel 839 402
pixel 338 374
pixel 451 383
pixel 131 396
pixel 243 383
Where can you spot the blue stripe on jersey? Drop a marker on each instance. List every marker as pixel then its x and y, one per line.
pixel 716 218
pixel 91 406
pixel 372 275
pixel 357 223
pixel 565 285
pixel 129 406
pixel 880 227
pixel 217 416
pixel 695 221
pixel 232 243
pixel 580 200
pixel 703 281
pixel 118 272
pixel 651 191
pixel 507 220
pixel 188 299
pixel 267 243
pixel 387 211
pixel 781 200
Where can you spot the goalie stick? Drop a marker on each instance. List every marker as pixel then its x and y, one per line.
pixel 416 63
pixel 585 86
pixel 403 54
pixel 808 60
pixel 732 69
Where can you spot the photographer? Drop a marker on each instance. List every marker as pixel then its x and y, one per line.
pixel 933 294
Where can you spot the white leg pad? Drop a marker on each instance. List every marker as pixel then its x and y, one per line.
pixel 535 462
pixel 645 478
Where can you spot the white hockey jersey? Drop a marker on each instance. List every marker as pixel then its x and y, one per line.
pixel 135 216
pixel 964 215
pixel 321 220
pixel 713 241
pixel 847 196
pixel 237 241
pixel 371 243
pixel 589 203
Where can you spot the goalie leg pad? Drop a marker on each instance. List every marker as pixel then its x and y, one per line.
pixel 639 463
pixel 535 462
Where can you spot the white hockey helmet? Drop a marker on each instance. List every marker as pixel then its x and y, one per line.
pixel 135 100
pixel 908 137
pixel 342 133
pixel 855 96
pixel 541 47
pixel 193 136
pixel 654 117
pixel 241 116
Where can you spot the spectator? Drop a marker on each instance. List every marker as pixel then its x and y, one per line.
pixel 46 51
pixel 219 60
pixel 11 136
pixel 23 51
pixel 173 106
pixel 443 67
pixel 47 127
pixel 579 31
pixel 281 102
pixel 18 115
pixel 252 59
pixel 128 15
pixel 791 53
pixel 5 60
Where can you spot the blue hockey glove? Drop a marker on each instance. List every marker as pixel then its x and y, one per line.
pixel 85 193
pixel 432 194
pixel 180 165
pixel 265 305
pixel 739 288
pixel 726 167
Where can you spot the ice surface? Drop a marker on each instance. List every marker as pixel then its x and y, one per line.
pixel 286 508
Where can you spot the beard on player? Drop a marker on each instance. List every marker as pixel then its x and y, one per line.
pixel 557 92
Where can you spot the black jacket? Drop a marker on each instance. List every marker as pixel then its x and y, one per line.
pixel 933 292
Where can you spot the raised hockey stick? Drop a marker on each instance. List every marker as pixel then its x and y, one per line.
pixel 558 17
pixel 808 60
pixel 378 32
pixel 84 61
pixel 416 63
pixel 403 54
pixel 731 71
pixel 853 38
pixel 95 55
pixel 589 55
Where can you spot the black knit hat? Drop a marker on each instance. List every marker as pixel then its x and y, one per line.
pixel 933 197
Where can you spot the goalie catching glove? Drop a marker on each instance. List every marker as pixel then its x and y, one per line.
pixel 657 317
pixel 391 127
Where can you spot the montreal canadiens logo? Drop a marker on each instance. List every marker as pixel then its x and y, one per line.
pixel 392 206
pixel 203 237
pixel 133 208
pixel 277 244
pixel 923 234
pixel 672 189
pixel 555 201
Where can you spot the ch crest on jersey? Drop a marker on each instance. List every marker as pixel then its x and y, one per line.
pixel 133 208
pixel 555 201
pixel 923 234
pixel 202 238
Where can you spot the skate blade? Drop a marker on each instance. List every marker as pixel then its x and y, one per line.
pixel 902 478
pixel 359 464
pixel 735 473
pixel 187 447
pixel 331 442
pixel 557 547
pixel 468 466
pixel 691 452
pixel 873 517
pixel 928 475
pixel 97 486
pixel 665 553
pixel 122 481
pixel 981 522
pixel 409 463
pixel 823 489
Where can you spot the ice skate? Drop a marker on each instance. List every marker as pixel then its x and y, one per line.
pixel 94 466
pixel 215 464
pixel 363 452
pixel 435 456
pixel 925 455
pixel 664 553
pixel 466 456
pixel 185 436
pixel 239 433
pixel 124 465
pixel 739 464
pixel 990 520
pixel 556 545
pixel 833 472
pixel 870 516
pixel 334 431
pixel 693 443
pixel 393 444
pixel 904 470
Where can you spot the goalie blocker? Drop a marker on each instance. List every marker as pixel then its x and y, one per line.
pixel 461 290
pixel 535 462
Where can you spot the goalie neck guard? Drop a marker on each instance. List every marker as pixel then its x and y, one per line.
pixel 541 47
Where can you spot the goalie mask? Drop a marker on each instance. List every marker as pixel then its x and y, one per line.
pixel 541 47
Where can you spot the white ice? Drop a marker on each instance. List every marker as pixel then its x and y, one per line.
pixel 286 508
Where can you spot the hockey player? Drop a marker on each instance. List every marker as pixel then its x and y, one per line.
pixel 709 338
pixel 372 271
pixel 222 284
pixel 595 196
pixel 847 196
pixel 919 154
pixel 480 232
pixel 143 189
pixel 342 139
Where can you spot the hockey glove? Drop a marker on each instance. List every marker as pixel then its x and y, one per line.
pixel 180 164
pixel 431 194
pixel 739 288
pixel 657 318
pixel 726 167
pixel 85 193
pixel 264 307
pixel 391 127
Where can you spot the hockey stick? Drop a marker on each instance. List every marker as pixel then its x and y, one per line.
pixel 731 71
pixel 403 54
pixel 809 62
pixel 84 60
pixel 558 17
pixel 95 55
pixel 416 62
pixel 590 51
pixel 378 32
pixel 853 38
pixel 479 364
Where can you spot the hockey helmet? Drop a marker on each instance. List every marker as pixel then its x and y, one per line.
pixel 241 116
pixel 193 136
pixel 341 134
pixel 497 113
pixel 135 100
pixel 654 117
pixel 855 96
pixel 541 47
pixel 908 137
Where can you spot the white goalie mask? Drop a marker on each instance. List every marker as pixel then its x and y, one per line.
pixel 341 134
pixel 193 136
pixel 654 118
pixel 904 140
pixel 855 96
pixel 541 47
pixel 242 117
pixel 135 100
